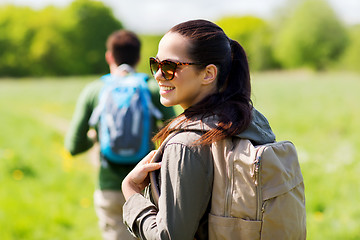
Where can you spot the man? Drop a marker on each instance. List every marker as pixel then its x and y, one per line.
pixel 122 56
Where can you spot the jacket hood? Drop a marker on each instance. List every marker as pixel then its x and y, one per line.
pixel 258 132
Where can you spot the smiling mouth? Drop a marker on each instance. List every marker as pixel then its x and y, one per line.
pixel 166 88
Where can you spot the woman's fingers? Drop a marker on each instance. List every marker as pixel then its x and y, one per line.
pixel 148 158
pixel 137 179
pixel 151 167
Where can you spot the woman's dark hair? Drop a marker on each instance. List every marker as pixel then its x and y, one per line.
pixel 125 47
pixel 231 103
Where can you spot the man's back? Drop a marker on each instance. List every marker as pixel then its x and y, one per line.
pixel 122 56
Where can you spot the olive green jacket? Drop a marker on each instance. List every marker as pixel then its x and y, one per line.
pixel 186 185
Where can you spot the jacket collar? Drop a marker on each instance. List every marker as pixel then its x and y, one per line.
pixel 259 130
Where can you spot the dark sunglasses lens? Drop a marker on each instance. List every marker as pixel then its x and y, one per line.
pixel 154 66
pixel 168 69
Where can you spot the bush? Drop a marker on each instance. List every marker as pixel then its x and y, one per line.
pixel 312 37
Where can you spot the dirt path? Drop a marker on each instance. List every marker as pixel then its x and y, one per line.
pixel 61 125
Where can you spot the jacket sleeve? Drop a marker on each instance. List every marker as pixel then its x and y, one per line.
pixel 186 183
pixel 76 140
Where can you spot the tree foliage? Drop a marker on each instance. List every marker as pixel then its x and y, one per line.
pixel 93 22
pixel 312 37
pixel 351 56
pixel 254 34
pixel 149 47
pixel 14 40
pixel 71 40
pixel 53 41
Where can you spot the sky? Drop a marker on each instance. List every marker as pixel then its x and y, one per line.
pixel 157 16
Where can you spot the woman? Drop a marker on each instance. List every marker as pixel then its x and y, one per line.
pixel 199 68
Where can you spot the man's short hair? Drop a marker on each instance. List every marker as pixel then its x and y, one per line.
pixel 125 47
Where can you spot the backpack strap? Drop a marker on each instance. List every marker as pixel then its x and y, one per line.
pixel 153 110
pixel 108 79
pixel 94 118
pixel 126 67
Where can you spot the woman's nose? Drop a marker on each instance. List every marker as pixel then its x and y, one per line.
pixel 158 75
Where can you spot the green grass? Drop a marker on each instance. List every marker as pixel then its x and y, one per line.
pixel 320 114
pixel 46 194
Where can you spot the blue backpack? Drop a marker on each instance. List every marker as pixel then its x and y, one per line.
pixel 124 117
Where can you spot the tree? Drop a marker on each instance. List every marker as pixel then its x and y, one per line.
pixel 53 41
pixel 312 37
pixel 351 58
pixel 254 35
pixel 48 47
pixel 149 47
pixel 92 24
pixel 15 38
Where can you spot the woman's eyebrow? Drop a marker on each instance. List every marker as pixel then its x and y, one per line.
pixel 167 59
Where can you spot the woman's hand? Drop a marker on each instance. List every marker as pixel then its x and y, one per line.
pixel 138 178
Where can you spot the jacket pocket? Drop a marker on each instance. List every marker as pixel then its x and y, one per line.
pixel 233 228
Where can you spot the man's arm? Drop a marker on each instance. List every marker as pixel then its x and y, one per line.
pixel 77 139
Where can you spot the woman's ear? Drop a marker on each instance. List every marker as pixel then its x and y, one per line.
pixel 210 73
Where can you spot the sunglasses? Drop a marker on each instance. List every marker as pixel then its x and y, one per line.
pixel 167 67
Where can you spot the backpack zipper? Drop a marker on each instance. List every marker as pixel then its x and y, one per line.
pixel 229 186
pixel 257 163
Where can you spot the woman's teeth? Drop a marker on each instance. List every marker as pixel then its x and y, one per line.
pixel 166 88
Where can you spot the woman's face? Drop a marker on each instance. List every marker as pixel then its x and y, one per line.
pixel 186 88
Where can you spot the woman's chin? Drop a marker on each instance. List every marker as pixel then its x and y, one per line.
pixel 166 102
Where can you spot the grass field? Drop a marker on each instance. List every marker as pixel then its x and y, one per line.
pixel 46 194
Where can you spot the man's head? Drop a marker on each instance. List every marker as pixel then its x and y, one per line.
pixel 123 47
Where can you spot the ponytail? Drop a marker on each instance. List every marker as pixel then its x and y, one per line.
pixel 239 72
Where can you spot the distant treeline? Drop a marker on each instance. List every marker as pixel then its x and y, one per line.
pixel 71 40
pixel 304 34
pixel 53 41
